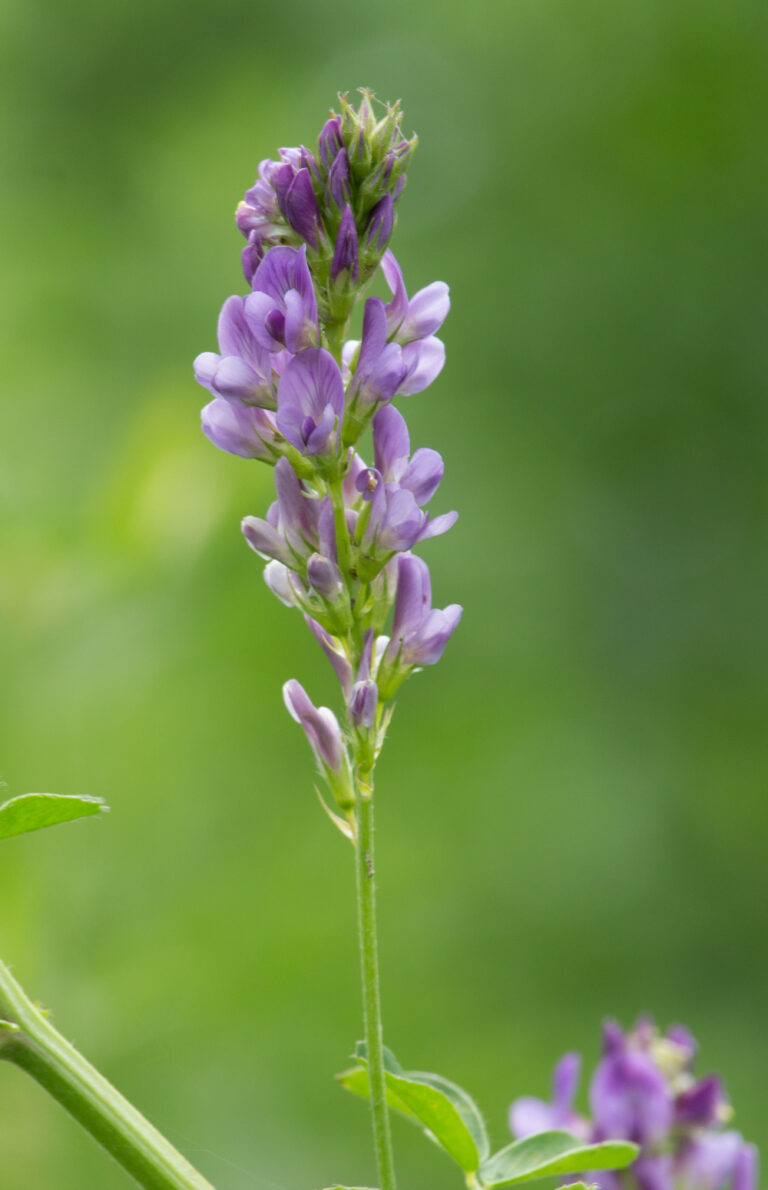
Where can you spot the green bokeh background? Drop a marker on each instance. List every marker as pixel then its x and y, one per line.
pixel 572 807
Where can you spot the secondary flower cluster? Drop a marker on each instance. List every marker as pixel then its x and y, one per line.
pixel 644 1090
pixel 288 388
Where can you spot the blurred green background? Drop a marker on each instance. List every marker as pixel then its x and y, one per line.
pixel 572 807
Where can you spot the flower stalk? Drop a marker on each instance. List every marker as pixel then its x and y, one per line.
pixel 369 967
pixel 29 1040
pixel 287 384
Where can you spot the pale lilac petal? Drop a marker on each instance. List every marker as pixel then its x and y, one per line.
pixel 398 307
pixel 427 311
pixel 565 1081
pixel 710 1160
pixel 267 541
pixel 528 1116
pixel 205 366
pixel 310 391
pixel 391 443
pixel 746 1168
pixel 436 526
pixel 424 472
pixel 433 635
pixel 414 595
pixel 238 429
pixel 422 361
pixel 278 579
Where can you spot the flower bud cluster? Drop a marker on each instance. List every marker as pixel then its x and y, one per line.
pixel 290 389
pixel 644 1090
pixel 338 199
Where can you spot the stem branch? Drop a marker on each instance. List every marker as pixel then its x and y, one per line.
pixel 30 1041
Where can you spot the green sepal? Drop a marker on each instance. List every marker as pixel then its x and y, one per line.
pixel 33 811
pixel 444 1110
pixel 552 1153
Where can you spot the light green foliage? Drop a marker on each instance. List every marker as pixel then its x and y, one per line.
pixel 444 1110
pixel 33 811
pixel 552 1153
pixel 450 1117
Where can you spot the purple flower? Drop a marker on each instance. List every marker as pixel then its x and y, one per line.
pixel 419 317
pixel 310 402
pixel 702 1103
pixel 379 367
pixel 297 524
pixel 629 1096
pixel 282 310
pixel 419 631
pixel 711 1159
pixel 324 577
pixel 298 203
pixel 422 363
pixel 240 430
pixel 243 371
pixel 420 475
pixel 321 728
pixel 528 1115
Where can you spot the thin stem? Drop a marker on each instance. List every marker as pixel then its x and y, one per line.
pixel 369 964
pixel 31 1042
pixel 336 490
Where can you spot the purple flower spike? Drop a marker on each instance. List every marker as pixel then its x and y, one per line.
pixel 320 725
pixel 282 310
pixel 310 402
pixel 300 208
pixel 630 1097
pixel 345 255
pixel 380 224
pixel 240 430
pixel 419 632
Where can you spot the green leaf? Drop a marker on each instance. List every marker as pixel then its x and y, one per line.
pixel 347 1188
pixel 33 811
pixel 552 1153
pixel 444 1110
pixel 356 1081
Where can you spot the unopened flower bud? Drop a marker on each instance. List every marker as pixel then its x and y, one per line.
pixel 363 703
pixel 324 576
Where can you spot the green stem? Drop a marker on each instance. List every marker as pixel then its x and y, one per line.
pixel 31 1042
pixel 369 963
pixel 336 490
